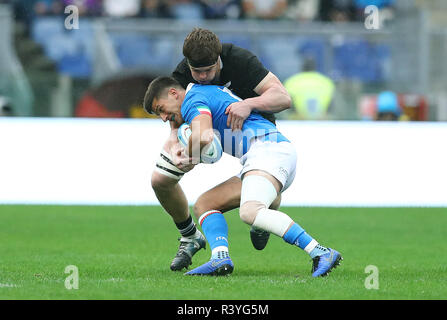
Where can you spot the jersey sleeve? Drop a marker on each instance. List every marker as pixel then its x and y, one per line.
pixel 195 106
pixel 251 70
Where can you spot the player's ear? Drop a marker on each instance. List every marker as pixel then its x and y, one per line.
pixel 177 93
pixel 172 91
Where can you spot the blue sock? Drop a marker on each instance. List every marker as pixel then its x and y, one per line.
pixel 318 251
pixel 215 228
pixel 297 236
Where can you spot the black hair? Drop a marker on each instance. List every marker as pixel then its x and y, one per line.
pixel 201 48
pixel 156 88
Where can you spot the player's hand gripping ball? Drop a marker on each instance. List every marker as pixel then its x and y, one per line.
pixel 211 153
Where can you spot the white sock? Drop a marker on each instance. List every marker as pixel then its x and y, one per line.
pixel 220 252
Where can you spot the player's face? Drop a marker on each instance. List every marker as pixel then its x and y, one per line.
pixel 206 75
pixel 168 106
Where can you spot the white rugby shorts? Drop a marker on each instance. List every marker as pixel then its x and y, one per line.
pixel 277 158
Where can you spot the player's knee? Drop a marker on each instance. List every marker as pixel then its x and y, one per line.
pixel 162 182
pixel 206 203
pixel 218 198
pixel 249 210
pixel 199 208
pixel 276 203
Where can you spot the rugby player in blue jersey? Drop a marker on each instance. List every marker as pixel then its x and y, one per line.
pixel 268 159
pixel 208 61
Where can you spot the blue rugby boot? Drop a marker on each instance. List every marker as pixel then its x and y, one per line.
pixel 187 249
pixel 214 267
pixel 324 264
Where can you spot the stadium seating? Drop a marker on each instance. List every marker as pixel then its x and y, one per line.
pixel 72 50
pixel 78 66
pixel 131 49
pixel 139 50
pixel 187 11
pixel 314 48
pixel 238 40
pixel 360 60
pixel 280 55
pixel 44 28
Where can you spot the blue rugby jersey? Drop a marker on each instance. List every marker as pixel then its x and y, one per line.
pixel 213 100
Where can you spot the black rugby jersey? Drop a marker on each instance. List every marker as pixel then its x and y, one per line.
pixel 241 73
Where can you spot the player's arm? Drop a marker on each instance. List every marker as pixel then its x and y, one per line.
pixel 201 135
pixel 178 154
pixel 273 97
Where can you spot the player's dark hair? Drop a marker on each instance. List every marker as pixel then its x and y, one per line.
pixel 155 90
pixel 201 48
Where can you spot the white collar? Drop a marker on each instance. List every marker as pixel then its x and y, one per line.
pixel 190 85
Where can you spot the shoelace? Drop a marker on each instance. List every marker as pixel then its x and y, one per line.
pixel 183 243
pixel 185 240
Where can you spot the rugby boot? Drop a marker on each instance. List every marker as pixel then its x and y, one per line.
pixel 187 249
pixel 259 238
pixel 214 267
pixel 322 265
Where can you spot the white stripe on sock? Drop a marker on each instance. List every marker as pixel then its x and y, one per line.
pixel 206 214
pixel 312 244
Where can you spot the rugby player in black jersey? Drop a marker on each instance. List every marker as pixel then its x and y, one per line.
pixel 208 61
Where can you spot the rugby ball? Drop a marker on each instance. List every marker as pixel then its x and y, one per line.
pixel 210 153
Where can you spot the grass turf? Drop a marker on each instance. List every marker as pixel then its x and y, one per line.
pixel 125 253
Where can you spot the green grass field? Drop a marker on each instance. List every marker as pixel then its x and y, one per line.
pixel 125 253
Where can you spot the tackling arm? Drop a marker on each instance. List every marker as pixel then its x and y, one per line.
pixel 177 152
pixel 201 135
pixel 273 98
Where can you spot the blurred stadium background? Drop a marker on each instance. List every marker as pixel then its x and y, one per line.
pixel 58 72
pixel 102 68
pixel 56 82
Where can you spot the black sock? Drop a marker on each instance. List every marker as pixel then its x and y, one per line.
pixel 187 228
